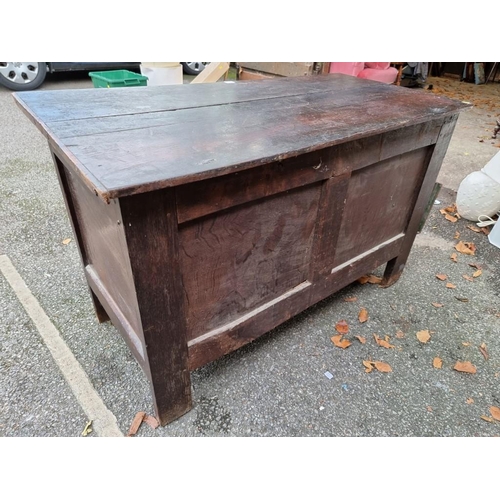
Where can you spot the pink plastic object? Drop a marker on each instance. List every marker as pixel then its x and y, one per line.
pixel 388 75
pixel 377 65
pixel 378 71
pixel 347 68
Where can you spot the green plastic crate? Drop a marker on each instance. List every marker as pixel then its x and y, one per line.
pixel 118 78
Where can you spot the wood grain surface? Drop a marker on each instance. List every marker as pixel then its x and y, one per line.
pixel 127 141
pixel 241 258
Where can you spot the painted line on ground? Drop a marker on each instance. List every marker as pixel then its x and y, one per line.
pixel 104 422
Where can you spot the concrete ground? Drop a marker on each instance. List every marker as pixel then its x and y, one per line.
pixel 277 385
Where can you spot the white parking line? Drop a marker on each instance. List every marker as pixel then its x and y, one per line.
pixel 104 422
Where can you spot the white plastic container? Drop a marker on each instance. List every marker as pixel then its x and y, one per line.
pixel 162 73
pixel 479 193
pixel 494 235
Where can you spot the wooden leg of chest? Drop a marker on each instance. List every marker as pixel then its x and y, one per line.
pixel 395 266
pixel 150 224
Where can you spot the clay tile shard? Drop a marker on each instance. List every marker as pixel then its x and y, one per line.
pixel 136 423
pixel 151 421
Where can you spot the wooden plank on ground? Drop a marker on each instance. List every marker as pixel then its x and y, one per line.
pixel 212 73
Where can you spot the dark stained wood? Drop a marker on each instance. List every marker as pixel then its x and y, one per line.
pixel 53 105
pixel 208 215
pixel 105 247
pixel 395 266
pixel 150 223
pixel 143 151
pixel 216 343
pixel 245 74
pixel 384 192
pixel 241 258
pixel 206 197
pixel 330 215
pixel 325 68
pixel 100 312
pixel 248 327
pixel 363 152
pixel 353 269
pixel 232 137
pixel 133 337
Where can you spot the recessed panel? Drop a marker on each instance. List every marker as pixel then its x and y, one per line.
pixel 239 259
pixel 380 199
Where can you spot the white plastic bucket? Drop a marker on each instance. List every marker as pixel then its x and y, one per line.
pixel 494 235
pixel 479 193
pixel 162 75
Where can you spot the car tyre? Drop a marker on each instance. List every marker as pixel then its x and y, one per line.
pixel 22 76
pixel 193 68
